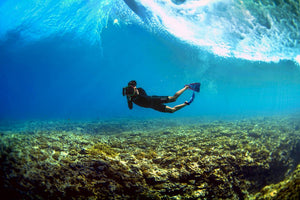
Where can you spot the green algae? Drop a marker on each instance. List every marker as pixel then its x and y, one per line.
pixel 102 149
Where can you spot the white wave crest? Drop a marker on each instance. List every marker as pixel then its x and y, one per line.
pixel 252 30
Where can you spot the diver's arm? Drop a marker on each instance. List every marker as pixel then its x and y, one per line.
pixel 142 91
pixel 129 103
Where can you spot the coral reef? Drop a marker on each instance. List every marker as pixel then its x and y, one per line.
pixel 254 158
pixel 287 189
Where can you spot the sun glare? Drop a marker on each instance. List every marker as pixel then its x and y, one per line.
pixel 297 59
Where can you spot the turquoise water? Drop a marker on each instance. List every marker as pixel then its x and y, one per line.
pixel 66 131
pixel 70 59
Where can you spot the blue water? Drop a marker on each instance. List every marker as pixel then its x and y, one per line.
pixel 70 59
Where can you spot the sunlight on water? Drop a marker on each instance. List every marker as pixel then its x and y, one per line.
pixel 66 52
pixel 298 59
pixel 260 31
pixel 252 30
pixel 36 20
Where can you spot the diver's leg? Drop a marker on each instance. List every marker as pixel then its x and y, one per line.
pixel 177 94
pixel 175 108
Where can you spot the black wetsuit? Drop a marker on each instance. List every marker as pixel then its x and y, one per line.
pixel 143 100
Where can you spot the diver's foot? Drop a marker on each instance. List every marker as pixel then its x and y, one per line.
pixel 187 86
pixel 187 103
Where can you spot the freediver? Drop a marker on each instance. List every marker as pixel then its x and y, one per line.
pixel 140 98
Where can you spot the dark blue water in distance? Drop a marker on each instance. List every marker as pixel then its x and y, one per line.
pixel 70 59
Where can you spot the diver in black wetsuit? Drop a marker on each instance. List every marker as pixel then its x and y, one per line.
pixel 140 98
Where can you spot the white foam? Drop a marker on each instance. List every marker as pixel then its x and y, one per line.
pixel 242 29
pixel 297 59
pixel 227 28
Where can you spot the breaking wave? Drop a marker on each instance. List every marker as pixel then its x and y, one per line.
pixel 260 30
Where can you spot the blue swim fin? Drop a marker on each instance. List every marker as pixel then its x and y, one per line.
pixel 191 99
pixel 195 87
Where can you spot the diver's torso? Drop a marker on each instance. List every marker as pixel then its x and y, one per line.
pixel 142 99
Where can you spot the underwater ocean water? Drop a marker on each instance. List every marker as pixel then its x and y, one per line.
pixel 66 130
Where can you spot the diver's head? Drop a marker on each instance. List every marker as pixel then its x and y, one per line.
pixel 132 83
pixel 130 89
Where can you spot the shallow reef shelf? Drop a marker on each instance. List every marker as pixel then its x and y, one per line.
pixel 255 158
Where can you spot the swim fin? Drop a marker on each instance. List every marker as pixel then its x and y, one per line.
pixel 191 99
pixel 195 86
